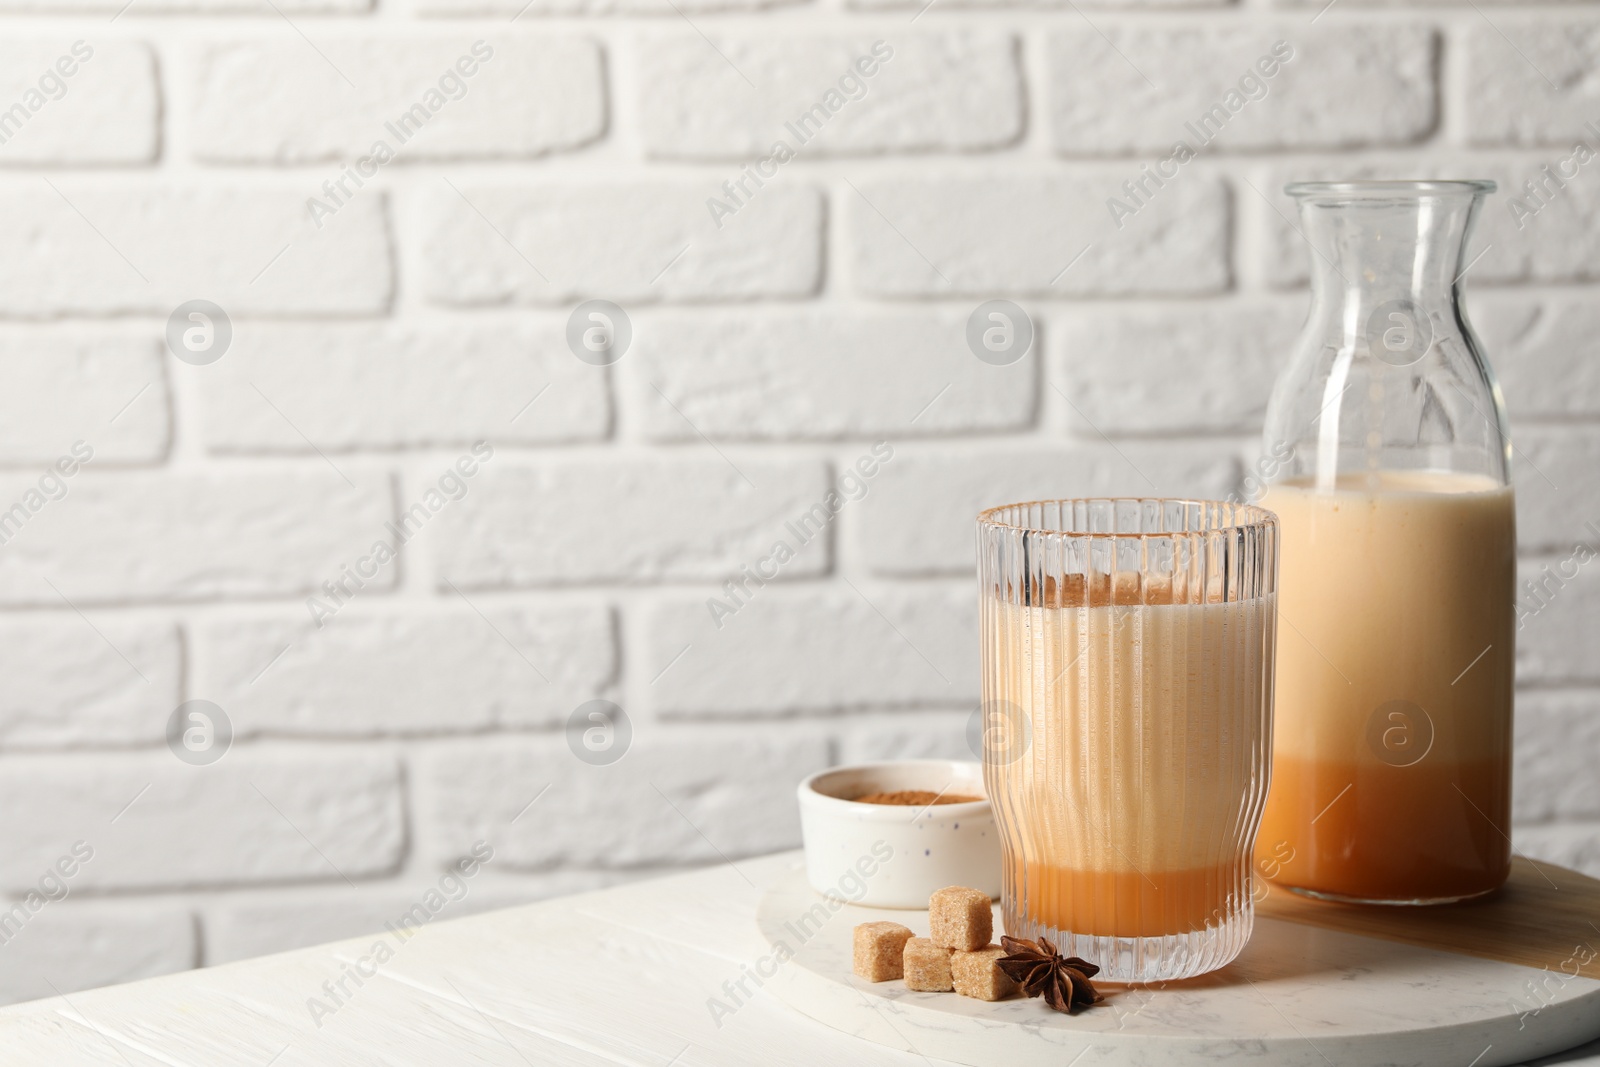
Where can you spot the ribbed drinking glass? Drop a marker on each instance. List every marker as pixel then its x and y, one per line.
pixel 1127 696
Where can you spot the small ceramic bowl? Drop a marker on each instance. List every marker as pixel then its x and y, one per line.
pixel 895 856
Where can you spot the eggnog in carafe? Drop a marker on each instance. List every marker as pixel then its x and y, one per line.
pixel 1392 749
pixel 1391 778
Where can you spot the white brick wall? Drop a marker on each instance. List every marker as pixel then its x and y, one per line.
pixel 953 91
pixel 1384 77
pixel 786 314
pixel 632 240
pixel 273 813
pixel 158 535
pixel 281 102
pixel 788 650
pixel 816 375
pixel 94 247
pixel 372 674
pixel 426 384
pixel 68 687
pixel 688 796
pixel 107 389
pixel 93 105
pixel 1001 231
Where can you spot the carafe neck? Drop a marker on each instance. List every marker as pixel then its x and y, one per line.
pixel 1387 375
pixel 1373 260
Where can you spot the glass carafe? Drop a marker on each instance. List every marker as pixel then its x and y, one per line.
pixel 1387 460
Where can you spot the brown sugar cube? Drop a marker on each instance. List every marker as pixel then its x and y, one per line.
pixel 927 966
pixel 879 950
pixel 975 974
pixel 960 918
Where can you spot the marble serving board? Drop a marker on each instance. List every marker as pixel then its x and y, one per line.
pixel 1299 994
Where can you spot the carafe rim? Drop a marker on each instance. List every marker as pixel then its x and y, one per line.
pixel 1389 189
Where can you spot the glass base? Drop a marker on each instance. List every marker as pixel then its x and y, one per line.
pixel 1147 959
pixel 1340 898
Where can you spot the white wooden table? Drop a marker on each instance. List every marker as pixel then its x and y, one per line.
pixel 619 976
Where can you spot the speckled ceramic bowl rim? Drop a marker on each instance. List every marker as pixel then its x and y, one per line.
pixel 938 768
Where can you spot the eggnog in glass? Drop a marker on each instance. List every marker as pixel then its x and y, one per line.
pixel 1389 474
pixel 1127 693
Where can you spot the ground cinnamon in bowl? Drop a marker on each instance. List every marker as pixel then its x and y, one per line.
pixel 929 816
pixel 915 798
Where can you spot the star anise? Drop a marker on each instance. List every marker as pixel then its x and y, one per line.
pixel 1041 970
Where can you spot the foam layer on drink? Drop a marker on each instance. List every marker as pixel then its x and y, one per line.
pixel 1394 678
pixel 1130 770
